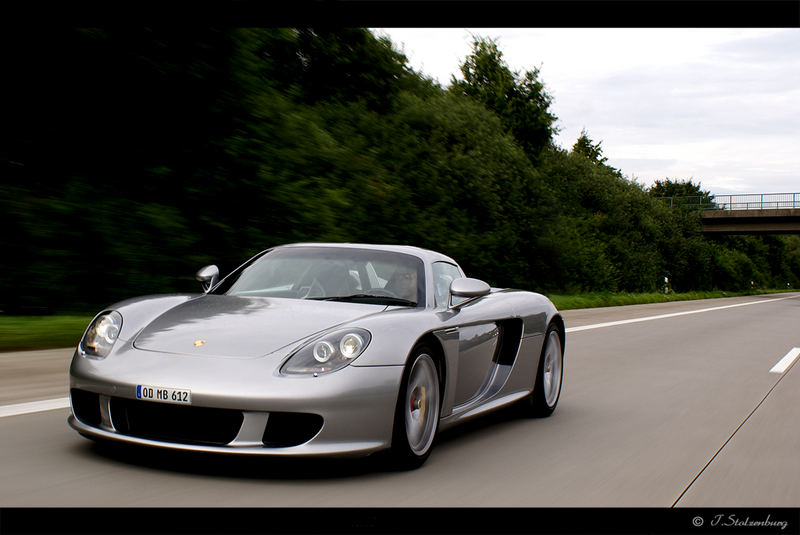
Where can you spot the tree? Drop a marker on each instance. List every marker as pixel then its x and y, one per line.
pixel 588 148
pixel 520 100
pixel 681 188
pixel 348 64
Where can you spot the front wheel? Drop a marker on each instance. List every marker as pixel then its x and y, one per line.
pixel 542 401
pixel 417 414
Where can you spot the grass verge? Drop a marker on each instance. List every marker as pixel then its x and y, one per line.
pixel 18 333
pixel 593 300
pixel 41 332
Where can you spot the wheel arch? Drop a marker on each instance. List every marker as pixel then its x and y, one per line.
pixel 401 456
pixel 558 321
pixel 430 340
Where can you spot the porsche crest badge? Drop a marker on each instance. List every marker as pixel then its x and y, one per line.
pixel 198 343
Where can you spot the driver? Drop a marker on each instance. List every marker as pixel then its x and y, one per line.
pixel 404 283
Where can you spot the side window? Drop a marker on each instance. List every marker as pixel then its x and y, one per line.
pixel 443 274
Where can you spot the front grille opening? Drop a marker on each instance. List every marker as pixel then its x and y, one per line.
pixel 175 423
pixel 286 429
pixel 86 406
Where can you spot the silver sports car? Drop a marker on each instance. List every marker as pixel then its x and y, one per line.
pixel 316 349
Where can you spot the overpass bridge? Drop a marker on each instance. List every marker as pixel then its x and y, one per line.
pixel 749 213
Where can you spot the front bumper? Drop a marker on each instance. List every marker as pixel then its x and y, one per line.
pixel 349 412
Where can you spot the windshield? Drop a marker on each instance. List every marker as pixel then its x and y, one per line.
pixel 332 274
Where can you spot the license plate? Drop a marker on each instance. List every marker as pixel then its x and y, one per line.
pixel 163 394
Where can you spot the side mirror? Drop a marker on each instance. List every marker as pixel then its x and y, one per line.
pixel 467 288
pixel 208 277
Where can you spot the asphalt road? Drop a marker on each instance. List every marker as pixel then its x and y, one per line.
pixel 679 410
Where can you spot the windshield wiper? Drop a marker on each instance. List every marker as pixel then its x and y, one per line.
pixel 354 297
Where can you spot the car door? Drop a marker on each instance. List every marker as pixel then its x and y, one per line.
pixel 477 345
pixel 477 338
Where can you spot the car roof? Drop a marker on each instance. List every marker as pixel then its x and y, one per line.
pixel 426 255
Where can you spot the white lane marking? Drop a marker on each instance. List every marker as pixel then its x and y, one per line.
pixel 33 406
pixel 786 361
pixel 674 314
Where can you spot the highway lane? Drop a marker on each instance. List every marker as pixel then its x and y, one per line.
pixel 645 407
pixel 34 375
pixel 760 465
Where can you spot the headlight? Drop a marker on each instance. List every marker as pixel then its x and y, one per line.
pixel 328 353
pixel 101 334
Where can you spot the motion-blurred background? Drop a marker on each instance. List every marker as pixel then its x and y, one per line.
pixel 131 157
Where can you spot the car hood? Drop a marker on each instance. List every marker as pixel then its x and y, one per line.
pixel 243 327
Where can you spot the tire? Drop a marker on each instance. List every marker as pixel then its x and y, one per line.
pixel 417 414
pixel 543 400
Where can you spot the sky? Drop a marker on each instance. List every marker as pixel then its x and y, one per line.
pixel 718 106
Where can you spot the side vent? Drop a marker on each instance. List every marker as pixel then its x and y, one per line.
pixel 510 336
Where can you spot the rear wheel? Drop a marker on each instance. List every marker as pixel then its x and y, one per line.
pixel 417 414
pixel 544 398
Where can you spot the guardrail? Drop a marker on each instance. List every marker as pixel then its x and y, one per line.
pixel 744 201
